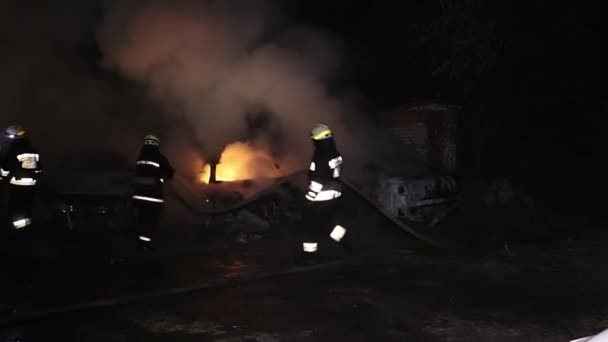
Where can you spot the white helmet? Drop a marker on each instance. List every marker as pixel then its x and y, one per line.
pixel 321 132
pixel 15 131
pixel 152 139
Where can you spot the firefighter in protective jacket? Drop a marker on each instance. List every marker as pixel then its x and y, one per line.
pixel 324 190
pixel 21 168
pixel 151 171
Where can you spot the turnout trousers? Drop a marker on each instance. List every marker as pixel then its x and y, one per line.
pixel 147 216
pixel 322 220
pixel 20 205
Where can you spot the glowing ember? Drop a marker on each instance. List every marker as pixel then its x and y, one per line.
pixel 241 161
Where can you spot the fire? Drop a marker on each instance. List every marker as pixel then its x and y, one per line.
pixel 241 161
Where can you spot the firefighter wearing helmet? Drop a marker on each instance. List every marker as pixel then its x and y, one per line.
pixel 324 191
pixel 21 169
pixel 152 170
pixel 11 134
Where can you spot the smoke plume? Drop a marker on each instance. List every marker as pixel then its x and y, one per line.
pixel 206 74
pixel 52 86
pixel 227 70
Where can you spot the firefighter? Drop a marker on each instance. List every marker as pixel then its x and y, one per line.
pixel 21 168
pixel 151 171
pixel 4 148
pixel 2 152
pixel 324 191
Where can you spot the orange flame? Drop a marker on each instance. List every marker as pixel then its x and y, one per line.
pixel 241 161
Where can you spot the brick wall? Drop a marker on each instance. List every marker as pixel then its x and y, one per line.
pixel 429 128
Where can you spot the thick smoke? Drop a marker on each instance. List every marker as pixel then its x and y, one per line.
pixel 217 64
pixel 218 72
pixel 52 86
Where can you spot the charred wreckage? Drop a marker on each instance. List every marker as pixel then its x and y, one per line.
pixel 99 197
pixel 101 201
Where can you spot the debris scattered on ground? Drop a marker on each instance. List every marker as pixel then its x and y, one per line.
pixel 241 238
pixel 244 238
pixel 502 191
pixel 163 324
pixel 253 222
pixel 246 222
pixel 255 237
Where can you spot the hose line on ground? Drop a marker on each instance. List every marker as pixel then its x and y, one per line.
pixel 210 285
pixel 268 189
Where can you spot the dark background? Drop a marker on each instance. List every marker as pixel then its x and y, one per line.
pixel 529 76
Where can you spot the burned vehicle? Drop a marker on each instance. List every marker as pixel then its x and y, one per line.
pixel 239 205
pixel 91 193
pixel 411 197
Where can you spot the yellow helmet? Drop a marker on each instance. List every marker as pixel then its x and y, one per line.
pixel 152 139
pixel 320 132
pixel 15 131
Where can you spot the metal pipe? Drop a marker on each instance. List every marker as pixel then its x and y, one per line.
pixel 213 171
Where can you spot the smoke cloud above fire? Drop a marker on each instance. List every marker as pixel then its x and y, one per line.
pixel 203 74
pixel 231 70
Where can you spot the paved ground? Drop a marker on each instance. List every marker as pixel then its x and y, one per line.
pixel 392 289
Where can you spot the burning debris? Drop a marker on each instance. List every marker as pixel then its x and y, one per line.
pixel 211 177
pixel 239 162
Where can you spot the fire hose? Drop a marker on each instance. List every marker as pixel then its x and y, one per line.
pixel 400 224
pixel 281 181
pixel 209 285
pixel 275 184
pixel 225 282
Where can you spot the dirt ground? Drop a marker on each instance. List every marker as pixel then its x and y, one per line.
pixel 521 286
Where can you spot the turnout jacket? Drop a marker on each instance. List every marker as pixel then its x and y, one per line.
pixel 21 165
pixel 4 147
pixel 324 172
pixel 151 171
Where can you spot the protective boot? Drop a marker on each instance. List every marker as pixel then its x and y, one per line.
pixel 341 236
pixel 145 244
